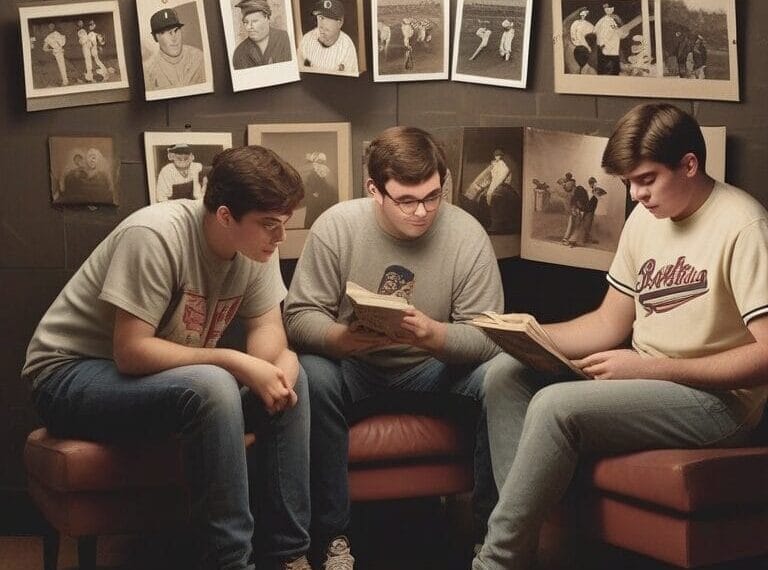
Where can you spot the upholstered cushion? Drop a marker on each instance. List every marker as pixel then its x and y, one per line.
pixel 688 480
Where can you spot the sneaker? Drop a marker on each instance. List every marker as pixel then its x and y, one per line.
pixel 300 563
pixel 338 556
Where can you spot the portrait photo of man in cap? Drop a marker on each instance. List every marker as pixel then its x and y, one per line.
pixel 264 44
pixel 174 41
pixel 326 48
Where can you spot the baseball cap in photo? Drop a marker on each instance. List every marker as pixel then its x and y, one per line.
pixel 164 19
pixel 333 9
pixel 251 6
pixel 607 5
pixel 182 148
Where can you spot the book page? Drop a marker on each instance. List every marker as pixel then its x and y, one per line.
pixel 378 313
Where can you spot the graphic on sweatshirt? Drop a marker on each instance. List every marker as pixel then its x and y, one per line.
pixel 669 286
pixel 398 281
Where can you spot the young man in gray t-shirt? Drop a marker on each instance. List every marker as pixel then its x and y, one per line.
pixel 402 240
pixel 128 350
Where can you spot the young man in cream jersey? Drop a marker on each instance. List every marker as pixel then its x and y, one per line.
pixel 688 284
pixel 128 350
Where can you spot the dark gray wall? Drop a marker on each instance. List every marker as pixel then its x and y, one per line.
pixel 42 246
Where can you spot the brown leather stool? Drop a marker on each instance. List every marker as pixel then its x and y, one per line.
pixel 86 489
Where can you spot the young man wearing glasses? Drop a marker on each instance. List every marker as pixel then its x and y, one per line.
pixel 403 240
pixel 128 351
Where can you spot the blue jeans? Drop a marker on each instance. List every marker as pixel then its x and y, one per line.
pixel 538 430
pixel 90 399
pixel 350 389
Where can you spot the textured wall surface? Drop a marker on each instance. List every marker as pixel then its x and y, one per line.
pixel 42 245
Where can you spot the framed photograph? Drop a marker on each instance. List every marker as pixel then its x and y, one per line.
pixel 573 212
pixel 491 183
pixel 646 48
pixel 321 153
pixel 178 163
pixel 175 54
pixel 411 42
pixel 491 42
pixel 84 170
pixel 260 42
pixel 331 36
pixel 73 54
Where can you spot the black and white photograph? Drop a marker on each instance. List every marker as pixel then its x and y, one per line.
pixel 331 36
pixel 491 41
pixel 573 212
pixel 84 170
pixel 72 49
pixel 321 153
pixel 175 53
pixel 411 41
pixel 491 183
pixel 178 163
pixel 652 48
pixel 261 45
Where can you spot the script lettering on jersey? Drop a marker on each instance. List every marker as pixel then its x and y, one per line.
pixel 669 286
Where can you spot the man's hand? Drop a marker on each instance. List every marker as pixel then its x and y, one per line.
pixel 341 341
pixel 267 381
pixel 426 332
pixel 620 364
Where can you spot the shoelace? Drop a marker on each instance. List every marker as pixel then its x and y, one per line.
pixel 339 556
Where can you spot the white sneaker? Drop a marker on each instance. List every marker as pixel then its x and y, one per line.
pixel 339 556
pixel 301 563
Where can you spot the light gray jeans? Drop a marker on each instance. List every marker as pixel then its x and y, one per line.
pixel 539 429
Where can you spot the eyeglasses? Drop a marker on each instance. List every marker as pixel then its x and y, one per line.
pixel 409 206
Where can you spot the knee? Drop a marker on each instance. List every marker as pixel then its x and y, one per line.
pixel 556 404
pixel 502 377
pixel 213 389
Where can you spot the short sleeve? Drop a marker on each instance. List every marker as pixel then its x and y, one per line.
pixel 749 270
pixel 265 288
pixel 139 278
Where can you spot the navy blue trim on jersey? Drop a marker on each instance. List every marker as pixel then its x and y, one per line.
pixel 754 313
pixel 619 286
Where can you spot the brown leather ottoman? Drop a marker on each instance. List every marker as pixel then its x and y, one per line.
pixel 85 489
pixel 688 508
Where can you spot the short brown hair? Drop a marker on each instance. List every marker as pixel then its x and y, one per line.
pixel 251 178
pixel 407 155
pixel 658 132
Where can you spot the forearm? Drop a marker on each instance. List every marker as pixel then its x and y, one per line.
pixel 742 367
pixel 584 335
pixel 466 343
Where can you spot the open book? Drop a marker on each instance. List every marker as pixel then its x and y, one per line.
pixel 378 313
pixel 521 335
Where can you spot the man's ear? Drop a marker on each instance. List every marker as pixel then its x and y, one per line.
pixel 370 186
pixel 690 163
pixel 224 216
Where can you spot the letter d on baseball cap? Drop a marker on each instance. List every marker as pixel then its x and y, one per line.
pixel 333 9
pixel 164 19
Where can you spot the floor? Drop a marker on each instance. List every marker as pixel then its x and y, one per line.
pixel 394 535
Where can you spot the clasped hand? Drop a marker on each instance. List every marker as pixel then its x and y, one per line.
pixel 620 364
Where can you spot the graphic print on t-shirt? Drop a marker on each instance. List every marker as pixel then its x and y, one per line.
pixel 669 286
pixel 398 281
pixel 191 325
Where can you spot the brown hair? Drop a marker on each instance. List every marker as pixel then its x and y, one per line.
pixel 252 178
pixel 658 132
pixel 408 155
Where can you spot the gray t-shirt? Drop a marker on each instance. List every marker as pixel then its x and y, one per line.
pixel 450 274
pixel 157 266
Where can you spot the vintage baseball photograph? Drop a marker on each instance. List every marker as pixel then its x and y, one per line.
pixel 491 180
pixel 331 36
pixel 411 41
pixel 491 41
pixel 573 212
pixel 653 48
pixel 178 163
pixel 261 45
pixel 321 153
pixel 71 49
pixel 83 170
pixel 175 53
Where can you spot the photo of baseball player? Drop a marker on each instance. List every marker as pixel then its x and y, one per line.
pixel 54 44
pixel 177 163
pixel 174 48
pixel 413 43
pixel 491 42
pixel 264 44
pixel 326 47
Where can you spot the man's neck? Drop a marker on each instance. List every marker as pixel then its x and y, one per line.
pixel 216 237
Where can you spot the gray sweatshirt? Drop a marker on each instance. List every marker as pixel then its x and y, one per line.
pixel 450 273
